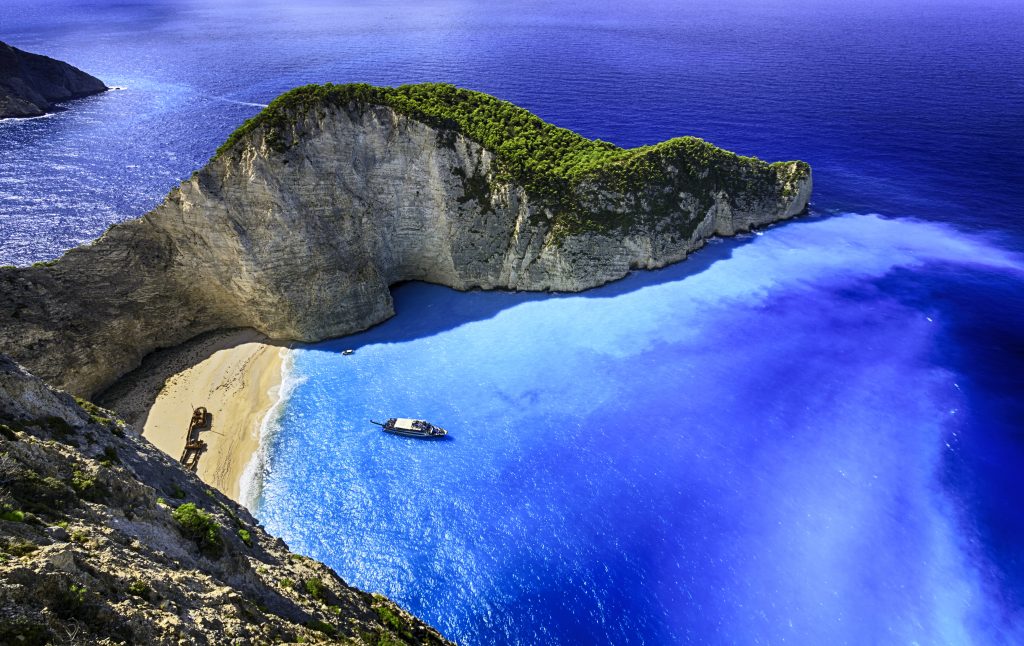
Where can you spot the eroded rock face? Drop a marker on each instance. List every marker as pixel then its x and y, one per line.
pixel 30 83
pixel 96 547
pixel 303 244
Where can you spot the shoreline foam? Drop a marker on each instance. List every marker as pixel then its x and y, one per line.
pixel 250 480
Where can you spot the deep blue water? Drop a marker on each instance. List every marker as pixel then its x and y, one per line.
pixel 812 435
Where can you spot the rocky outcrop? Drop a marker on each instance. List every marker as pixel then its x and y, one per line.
pixel 301 224
pixel 104 539
pixel 31 83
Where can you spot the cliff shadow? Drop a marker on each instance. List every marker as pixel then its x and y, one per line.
pixel 424 309
pixel 133 395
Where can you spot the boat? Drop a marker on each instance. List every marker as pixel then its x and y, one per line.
pixel 200 418
pixel 348 352
pixel 194 447
pixel 411 428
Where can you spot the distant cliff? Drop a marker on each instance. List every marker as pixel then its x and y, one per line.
pixel 30 83
pixel 310 211
pixel 104 539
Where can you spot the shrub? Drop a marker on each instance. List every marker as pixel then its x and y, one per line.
pixel 110 457
pixel 8 433
pixel 245 536
pixel 558 168
pixel 387 640
pixel 200 527
pixel 39 494
pixel 388 617
pixel 13 515
pixel 315 588
pixel 88 486
pixel 138 588
pixel 20 547
pixel 81 482
pixel 230 513
pixel 72 602
pixel 323 627
pixel 97 415
pixel 53 486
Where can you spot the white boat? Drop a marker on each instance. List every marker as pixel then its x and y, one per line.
pixel 411 428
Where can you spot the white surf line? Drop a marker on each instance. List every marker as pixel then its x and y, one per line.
pixel 112 88
pixel 38 116
pixel 250 484
pixel 227 100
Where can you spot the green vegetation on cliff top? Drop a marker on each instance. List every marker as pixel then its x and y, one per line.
pixel 551 163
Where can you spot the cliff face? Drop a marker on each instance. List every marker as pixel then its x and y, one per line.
pixel 298 230
pixel 104 539
pixel 31 83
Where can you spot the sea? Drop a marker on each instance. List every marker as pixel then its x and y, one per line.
pixel 805 435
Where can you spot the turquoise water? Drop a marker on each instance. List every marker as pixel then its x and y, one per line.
pixel 749 447
pixel 809 436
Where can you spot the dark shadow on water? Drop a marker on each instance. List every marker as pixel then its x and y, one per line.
pixel 423 310
pixel 412 441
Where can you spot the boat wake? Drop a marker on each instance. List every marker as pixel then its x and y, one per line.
pixel 224 99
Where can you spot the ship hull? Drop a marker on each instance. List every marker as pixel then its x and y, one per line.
pixel 422 436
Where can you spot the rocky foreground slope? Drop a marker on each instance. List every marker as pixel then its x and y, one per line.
pixel 104 539
pixel 31 83
pixel 310 211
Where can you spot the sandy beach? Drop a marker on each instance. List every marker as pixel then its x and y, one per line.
pixel 235 375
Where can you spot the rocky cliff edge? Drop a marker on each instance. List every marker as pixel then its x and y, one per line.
pixel 308 214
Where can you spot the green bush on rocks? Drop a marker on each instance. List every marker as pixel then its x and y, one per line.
pixel 200 527
pixel 559 168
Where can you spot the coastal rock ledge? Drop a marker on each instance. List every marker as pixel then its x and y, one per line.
pixel 31 83
pixel 313 208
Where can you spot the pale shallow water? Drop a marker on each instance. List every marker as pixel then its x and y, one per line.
pixel 751 447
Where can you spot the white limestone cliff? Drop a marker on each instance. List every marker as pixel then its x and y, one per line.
pixel 304 243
